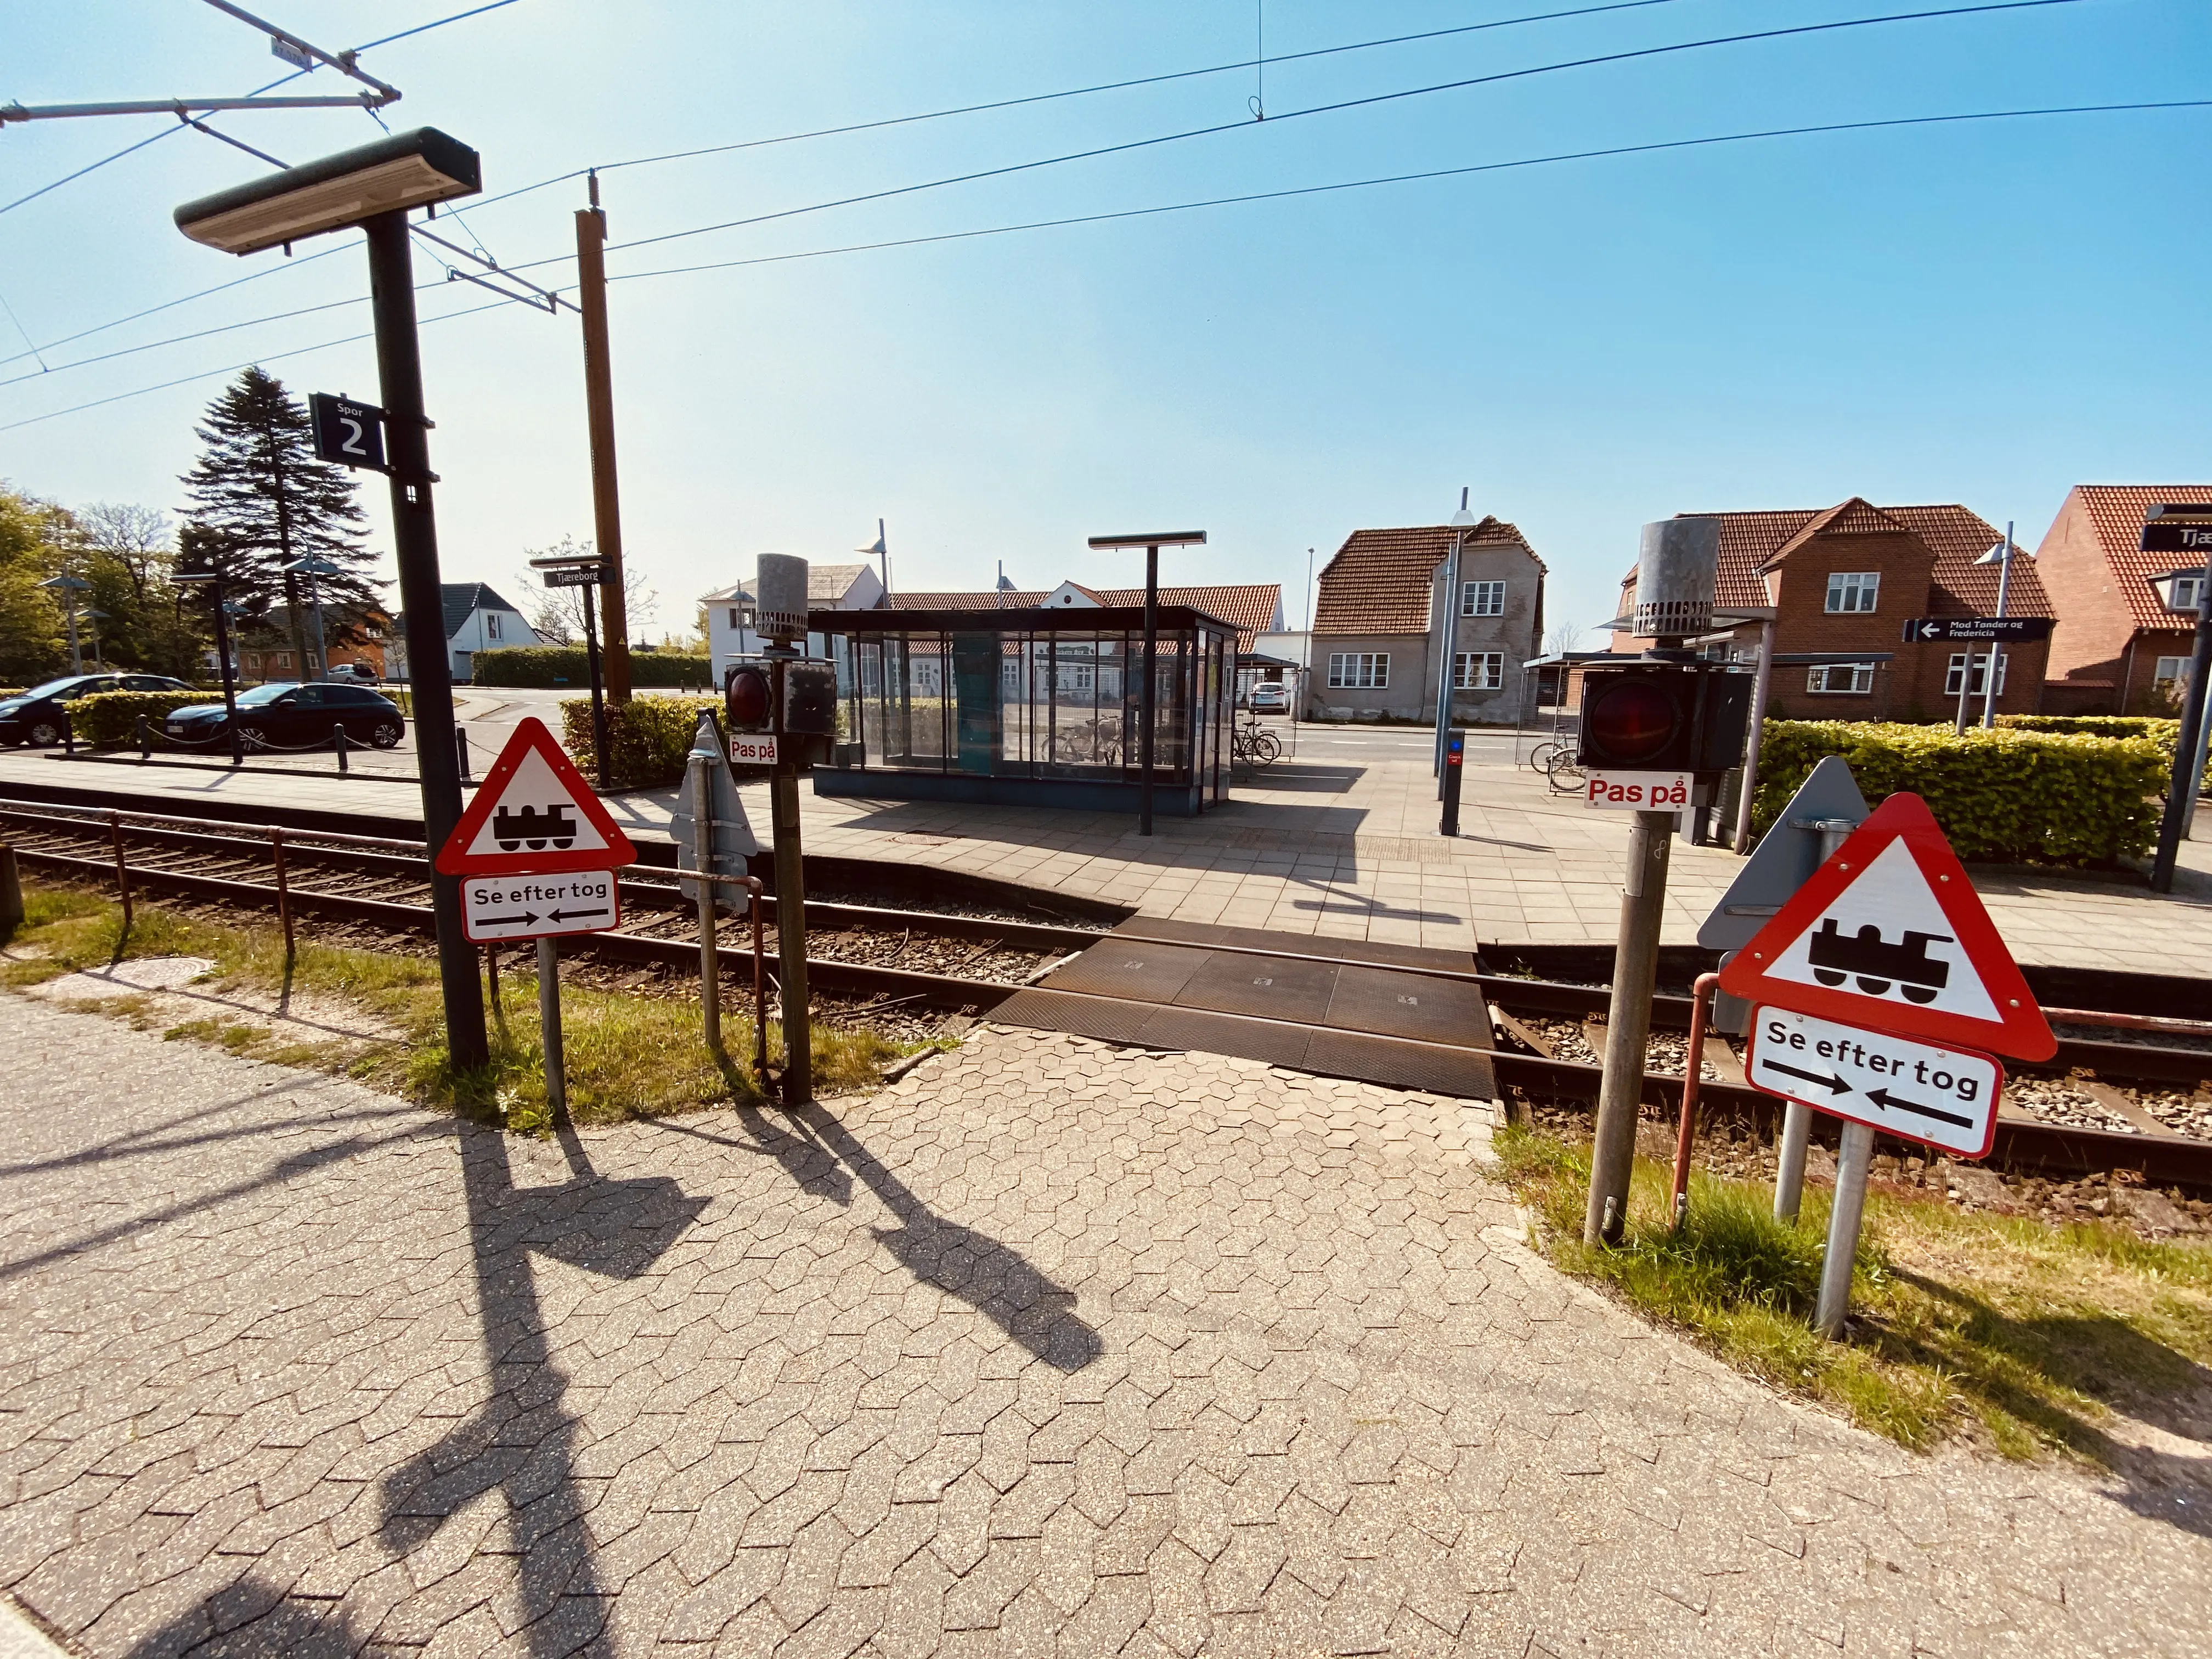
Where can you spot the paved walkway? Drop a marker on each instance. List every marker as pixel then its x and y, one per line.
pixel 1341 839
pixel 1051 1349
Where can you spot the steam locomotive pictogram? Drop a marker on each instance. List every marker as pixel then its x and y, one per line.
pixel 1877 965
pixel 512 829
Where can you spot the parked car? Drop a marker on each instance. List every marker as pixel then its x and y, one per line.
pixel 284 714
pixel 35 716
pixel 1269 697
pixel 357 673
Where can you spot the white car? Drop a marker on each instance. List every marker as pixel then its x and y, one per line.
pixel 1269 697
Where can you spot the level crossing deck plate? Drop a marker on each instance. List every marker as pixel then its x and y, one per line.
pixel 1290 1000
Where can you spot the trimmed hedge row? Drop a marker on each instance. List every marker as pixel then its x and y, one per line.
pixel 2165 733
pixel 648 737
pixel 111 718
pixel 551 665
pixel 2004 797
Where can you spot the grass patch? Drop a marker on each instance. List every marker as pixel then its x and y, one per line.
pixel 626 1056
pixel 2019 1336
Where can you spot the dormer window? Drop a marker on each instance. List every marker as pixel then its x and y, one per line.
pixel 2180 590
pixel 1852 591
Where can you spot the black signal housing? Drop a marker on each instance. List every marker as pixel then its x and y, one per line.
pixel 749 697
pixel 1663 717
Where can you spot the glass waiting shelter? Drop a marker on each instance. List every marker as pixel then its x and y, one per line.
pixel 1030 707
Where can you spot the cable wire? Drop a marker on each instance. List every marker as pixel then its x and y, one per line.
pixel 1413 177
pixel 1345 104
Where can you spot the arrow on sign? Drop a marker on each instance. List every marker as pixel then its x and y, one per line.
pixel 1835 1084
pixel 1930 630
pixel 1883 1097
pixel 573 915
pixel 506 921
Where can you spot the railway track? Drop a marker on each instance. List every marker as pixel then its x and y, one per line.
pixel 971 960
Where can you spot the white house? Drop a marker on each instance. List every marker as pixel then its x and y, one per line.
pixel 829 587
pixel 476 619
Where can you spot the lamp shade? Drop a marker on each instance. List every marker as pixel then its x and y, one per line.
pixel 409 169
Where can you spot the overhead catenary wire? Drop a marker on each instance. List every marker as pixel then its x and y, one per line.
pixel 1341 104
pixel 1609 152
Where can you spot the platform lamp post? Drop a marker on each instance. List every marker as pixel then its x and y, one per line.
pixel 1150 697
pixel 371 188
pixel 312 566
pixel 224 669
pixel 92 619
pixel 68 587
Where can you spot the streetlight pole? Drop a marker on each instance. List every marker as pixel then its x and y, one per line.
pixel 68 587
pixel 415 546
pixel 1447 676
pixel 313 567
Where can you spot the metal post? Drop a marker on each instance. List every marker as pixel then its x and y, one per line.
pixel 145 740
pixel 69 611
pixel 11 891
pixel 461 753
pixel 599 412
pixel 2004 585
pixel 1759 685
pixel 1455 777
pixel 122 868
pixel 1694 1079
pixel 790 905
pixel 1628 1027
pixel 338 742
pixel 1852 1162
pixel 414 545
pixel 222 662
pixel 598 696
pixel 1446 677
pixel 549 1025
pixel 1145 709
pixel 760 985
pixel 491 975
pixel 702 832
pixel 1796 1142
pixel 283 890
pixel 2187 751
pixel 322 639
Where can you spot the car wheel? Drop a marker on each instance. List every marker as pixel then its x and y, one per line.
pixel 255 737
pixel 387 734
pixel 44 734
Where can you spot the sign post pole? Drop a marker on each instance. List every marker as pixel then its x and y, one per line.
pixel 1852 1161
pixel 1797 1118
pixel 790 905
pixel 2181 790
pixel 1628 1027
pixel 549 1025
pixel 710 977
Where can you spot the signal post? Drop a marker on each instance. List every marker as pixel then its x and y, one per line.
pixel 1649 735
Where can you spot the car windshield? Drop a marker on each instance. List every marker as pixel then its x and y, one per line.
pixel 263 694
pixel 53 688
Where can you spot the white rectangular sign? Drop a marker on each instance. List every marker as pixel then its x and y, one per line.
pixel 496 909
pixel 1904 1086
pixel 1638 792
pixel 752 749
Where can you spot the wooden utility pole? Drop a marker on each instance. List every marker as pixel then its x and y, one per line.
pixel 600 403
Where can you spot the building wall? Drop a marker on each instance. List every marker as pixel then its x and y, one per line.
pixel 1407 697
pixel 1514 634
pixel 2094 626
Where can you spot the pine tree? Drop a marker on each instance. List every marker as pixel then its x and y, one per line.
pixel 260 490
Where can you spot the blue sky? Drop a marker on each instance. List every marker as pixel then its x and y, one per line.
pixel 1987 313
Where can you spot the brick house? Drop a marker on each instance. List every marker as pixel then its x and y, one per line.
pixel 2121 648
pixel 1379 624
pixel 1848 579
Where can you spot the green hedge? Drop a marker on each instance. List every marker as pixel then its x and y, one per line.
pixel 649 736
pixel 110 719
pixel 2164 733
pixel 2004 797
pixel 569 665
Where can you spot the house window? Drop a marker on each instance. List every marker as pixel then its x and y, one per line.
pixel 1482 599
pixel 2188 593
pixel 1358 670
pixel 1852 590
pixel 281 662
pixel 2172 671
pixel 1478 670
pixel 491 624
pixel 1840 678
pixel 1956 674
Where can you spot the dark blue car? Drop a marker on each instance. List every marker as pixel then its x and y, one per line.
pixel 285 715
pixel 36 716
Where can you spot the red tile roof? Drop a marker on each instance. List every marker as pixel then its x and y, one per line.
pixel 1253 608
pixel 1753 542
pixel 2117 511
pixel 1379 581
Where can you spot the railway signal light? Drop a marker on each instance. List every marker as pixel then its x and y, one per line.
pixel 1663 717
pixel 749 697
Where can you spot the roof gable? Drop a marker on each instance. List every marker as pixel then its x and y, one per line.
pixel 1379 581
pixel 459 601
pixel 2115 512
pixel 1855 517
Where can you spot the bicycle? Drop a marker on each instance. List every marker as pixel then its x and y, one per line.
pixel 1253 745
pixel 1563 772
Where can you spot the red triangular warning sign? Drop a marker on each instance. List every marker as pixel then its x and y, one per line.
pixel 535 816
pixel 1890 934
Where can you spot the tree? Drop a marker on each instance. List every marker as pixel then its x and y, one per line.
pixel 1565 636
pixel 135 537
pixel 35 541
pixel 260 490
pixel 556 615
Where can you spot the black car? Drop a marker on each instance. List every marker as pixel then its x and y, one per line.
pixel 35 716
pixel 285 715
